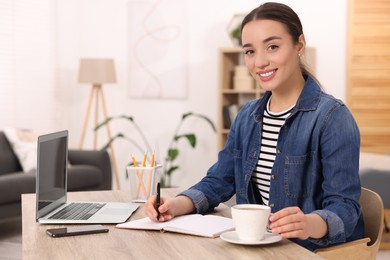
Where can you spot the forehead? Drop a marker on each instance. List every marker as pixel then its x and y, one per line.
pixel 263 29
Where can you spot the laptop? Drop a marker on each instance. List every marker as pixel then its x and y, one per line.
pixel 52 206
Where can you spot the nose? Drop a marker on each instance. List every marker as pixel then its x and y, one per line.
pixel 261 60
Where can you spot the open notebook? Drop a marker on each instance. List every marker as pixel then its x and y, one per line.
pixel 194 224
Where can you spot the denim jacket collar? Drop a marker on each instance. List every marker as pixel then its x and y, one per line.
pixel 308 99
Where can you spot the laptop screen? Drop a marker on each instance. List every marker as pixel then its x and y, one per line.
pixel 51 171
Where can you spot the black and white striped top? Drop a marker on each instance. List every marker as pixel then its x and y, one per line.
pixel 272 122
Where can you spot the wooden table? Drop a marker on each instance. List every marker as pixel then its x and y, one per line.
pixel 136 244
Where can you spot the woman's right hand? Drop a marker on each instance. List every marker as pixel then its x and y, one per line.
pixel 169 208
pixel 166 211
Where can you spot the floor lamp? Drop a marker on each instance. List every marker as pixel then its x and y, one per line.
pixel 98 72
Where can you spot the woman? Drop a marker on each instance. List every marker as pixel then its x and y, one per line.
pixel 295 149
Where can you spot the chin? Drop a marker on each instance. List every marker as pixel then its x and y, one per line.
pixel 266 86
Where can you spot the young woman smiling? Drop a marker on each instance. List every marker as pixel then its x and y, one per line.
pixel 295 149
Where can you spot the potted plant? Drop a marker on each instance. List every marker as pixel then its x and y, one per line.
pixel 235 35
pixel 170 160
pixel 234 28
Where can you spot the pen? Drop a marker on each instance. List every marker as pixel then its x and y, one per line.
pixel 158 200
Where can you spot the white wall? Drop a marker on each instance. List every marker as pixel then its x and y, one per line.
pixel 98 28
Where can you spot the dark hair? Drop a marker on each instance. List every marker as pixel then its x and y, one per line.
pixel 283 14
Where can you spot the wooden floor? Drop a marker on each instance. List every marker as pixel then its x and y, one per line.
pixel 11 241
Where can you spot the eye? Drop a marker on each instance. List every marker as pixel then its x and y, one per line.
pixel 272 47
pixel 248 52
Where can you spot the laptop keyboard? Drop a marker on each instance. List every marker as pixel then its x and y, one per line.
pixel 78 211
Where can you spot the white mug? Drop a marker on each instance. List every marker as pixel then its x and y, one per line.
pixel 250 221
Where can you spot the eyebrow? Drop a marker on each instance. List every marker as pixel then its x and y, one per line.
pixel 264 41
pixel 271 38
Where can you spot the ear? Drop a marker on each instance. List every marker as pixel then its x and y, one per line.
pixel 301 45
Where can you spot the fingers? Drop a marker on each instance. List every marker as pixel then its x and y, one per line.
pixel 150 208
pixel 289 223
pixel 284 213
pixel 164 209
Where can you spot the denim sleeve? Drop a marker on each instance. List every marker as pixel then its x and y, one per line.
pixel 198 198
pixel 340 149
pixel 335 228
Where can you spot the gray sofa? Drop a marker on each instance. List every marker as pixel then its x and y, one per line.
pixel 90 170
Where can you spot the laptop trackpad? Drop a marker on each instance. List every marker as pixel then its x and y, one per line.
pixel 112 211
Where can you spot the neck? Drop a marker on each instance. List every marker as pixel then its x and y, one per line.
pixel 287 97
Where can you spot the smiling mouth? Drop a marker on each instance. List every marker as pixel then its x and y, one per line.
pixel 267 75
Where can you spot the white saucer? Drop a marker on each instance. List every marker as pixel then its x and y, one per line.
pixel 232 237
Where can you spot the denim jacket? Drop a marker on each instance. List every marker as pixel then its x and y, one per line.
pixel 316 166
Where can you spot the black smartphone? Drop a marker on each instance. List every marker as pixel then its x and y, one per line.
pixel 76 230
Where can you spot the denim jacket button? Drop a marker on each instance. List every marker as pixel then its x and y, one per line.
pixel 272 205
pixel 273 177
pixel 279 151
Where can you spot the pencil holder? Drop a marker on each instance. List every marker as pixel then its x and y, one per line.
pixel 143 182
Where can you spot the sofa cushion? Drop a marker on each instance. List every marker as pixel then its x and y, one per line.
pixel 82 177
pixel 8 160
pixel 24 145
pixel 14 184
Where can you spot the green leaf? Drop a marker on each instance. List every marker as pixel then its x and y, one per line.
pixel 129 118
pixel 172 154
pixel 107 145
pixel 191 138
pixel 172 169
pixel 208 120
pixel 103 123
pixel 186 115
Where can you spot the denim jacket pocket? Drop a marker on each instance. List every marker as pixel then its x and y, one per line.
pixel 297 175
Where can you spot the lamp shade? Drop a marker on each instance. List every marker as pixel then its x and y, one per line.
pixel 97 71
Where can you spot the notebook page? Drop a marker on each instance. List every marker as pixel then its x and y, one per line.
pixel 194 224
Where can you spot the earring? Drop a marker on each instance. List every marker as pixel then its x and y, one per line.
pixel 299 54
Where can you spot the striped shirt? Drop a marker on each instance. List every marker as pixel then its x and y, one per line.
pixel 272 122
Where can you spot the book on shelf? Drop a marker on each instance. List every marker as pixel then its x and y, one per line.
pixel 229 114
pixel 193 224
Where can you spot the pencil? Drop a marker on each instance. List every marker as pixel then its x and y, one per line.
pixel 144 159
pixel 150 174
pixel 142 173
pixel 140 184
pixel 152 160
pixel 134 160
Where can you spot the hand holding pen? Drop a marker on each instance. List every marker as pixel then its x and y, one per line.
pixel 169 208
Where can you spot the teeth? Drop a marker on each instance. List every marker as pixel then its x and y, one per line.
pixel 267 74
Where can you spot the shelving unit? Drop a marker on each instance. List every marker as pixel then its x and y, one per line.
pixel 228 95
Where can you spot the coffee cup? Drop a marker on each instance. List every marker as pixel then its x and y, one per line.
pixel 250 221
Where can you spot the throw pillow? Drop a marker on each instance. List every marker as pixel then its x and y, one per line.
pixel 24 145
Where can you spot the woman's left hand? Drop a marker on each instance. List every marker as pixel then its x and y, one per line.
pixel 291 222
